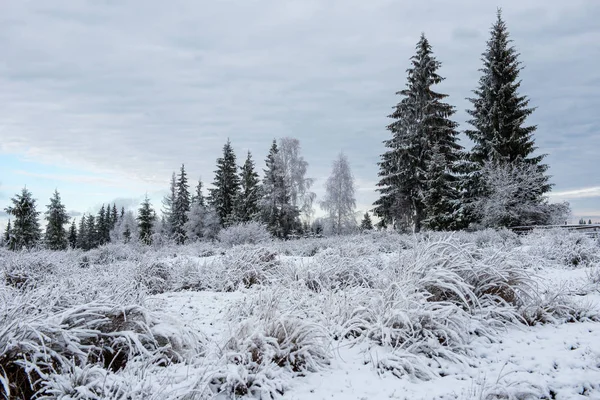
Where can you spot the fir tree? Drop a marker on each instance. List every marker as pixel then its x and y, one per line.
pixel 114 217
pixel 249 193
pixel 441 196
pixel 26 231
pixel 421 121
pixel 499 113
pixel 277 213
pixel 91 240
pixel 181 206
pixel 72 238
pixel 103 225
pixel 146 218
pixel 366 224
pixel 168 207
pixel 198 197
pixel 7 235
pixel 226 186
pixel 589 222
pixel 82 234
pixel 122 212
pixel 56 217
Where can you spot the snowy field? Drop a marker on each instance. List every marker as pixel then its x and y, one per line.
pixel 486 315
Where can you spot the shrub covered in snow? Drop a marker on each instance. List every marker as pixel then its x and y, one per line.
pixel 245 233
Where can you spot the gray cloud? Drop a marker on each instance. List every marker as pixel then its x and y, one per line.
pixel 136 88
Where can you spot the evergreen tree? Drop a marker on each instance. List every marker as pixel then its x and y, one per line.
pixel 198 197
pixel 249 193
pixel 26 231
pixel 57 218
pixel 122 212
pixel 114 217
pixel 277 213
pixel 366 224
pixel 91 240
pixel 226 186
pixel 168 207
pixel 82 234
pixel 589 222
pixel 146 218
pixel 421 121
pixel 7 235
pixel 127 234
pixel 499 113
pixel 103 225
pixel 181 206
pixel 441 196
pixel 72 238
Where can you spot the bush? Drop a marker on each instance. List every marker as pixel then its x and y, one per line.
pixel 245 233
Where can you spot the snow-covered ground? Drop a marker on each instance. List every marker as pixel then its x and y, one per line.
pixel 487 315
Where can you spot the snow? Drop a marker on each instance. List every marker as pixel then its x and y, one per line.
pixel 228 336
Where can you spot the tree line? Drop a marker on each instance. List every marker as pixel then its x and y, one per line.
pixel 427 180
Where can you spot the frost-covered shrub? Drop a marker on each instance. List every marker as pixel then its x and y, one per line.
pixel 263 355
pixel 155 276
pixel 26 268
pixel 555 307
pixel 245 233
pixel 571 249
pixel 243 266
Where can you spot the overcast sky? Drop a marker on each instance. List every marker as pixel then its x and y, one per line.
pixel 104 99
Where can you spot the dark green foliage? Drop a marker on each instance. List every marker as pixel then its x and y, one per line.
pixel 366 224
pixel 198 197
pixel 421 121
pixel 57 218
pixel 146 218
pixel 82 234
pixel 114 216
pixel 181 207
pixel 103 225
pixel 246 208
pixel 169 206
pixel 226 186
pixel 276 211
pixel 25 230
pixel 7 235
pixel 91 233
pixel 441 196
pixel 72 237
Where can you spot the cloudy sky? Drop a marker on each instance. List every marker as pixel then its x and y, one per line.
pixel 104 99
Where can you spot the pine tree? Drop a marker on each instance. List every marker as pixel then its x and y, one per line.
pixel 72 238
pixel 7 235
pixel 26 231
pixel 181 206
pixel 249 194
pixel 122 212
pixel 103 225
pixel 226 186
pixel 146 218
pixel 198 197
pixel 114 217
pixel 589 222
pixel 441 196
pixel 91 232
pixel 276 211
pixel 57 218
pixel 168 206
pixel 421 121
pixel 82 234
pixel 366 224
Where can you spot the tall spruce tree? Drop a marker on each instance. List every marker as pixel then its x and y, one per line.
pixel 277 213
pixel 366 224
pixel 146 217
pixel 103 225
pixel 82 234
pixel 56 217
pixel 72 237
pixel 7 235
pixel 441 195
pixel 26 231
pixel 168 207
pixel 421 121
pixel 246 208
pixel 499 112
pixel 226 186
pixel 181 206
pixel 114 217
pixel 91 232
pixel 198 197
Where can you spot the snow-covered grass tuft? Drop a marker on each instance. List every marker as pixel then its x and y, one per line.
pixel 246 233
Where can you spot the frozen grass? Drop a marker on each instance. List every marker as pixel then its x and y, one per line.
pixel 78 325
